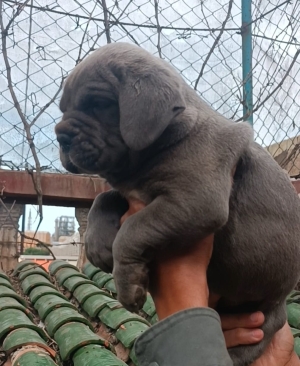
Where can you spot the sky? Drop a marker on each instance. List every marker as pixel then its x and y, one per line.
pixel 50 213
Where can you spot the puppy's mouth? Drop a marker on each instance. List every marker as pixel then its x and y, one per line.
pixel 65 146
pixel 74 159
pixel 71 167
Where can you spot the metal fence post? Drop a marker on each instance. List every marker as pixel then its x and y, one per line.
pixel 247 60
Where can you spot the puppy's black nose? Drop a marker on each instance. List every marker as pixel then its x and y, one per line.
pixel 64 141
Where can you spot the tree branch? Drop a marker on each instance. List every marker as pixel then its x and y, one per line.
pixel 117 22
pixel 214 44
pixel 106 21
pixel 37 179
pixel 274 90
pixel 42 110
pixel 158 28
pixel 84 34
pixel 17 13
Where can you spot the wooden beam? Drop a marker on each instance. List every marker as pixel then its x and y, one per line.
pixel 58 189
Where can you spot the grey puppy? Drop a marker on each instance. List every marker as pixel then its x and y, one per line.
pixel 129 117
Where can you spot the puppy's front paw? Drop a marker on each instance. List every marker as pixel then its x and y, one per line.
pixel 103 225
pixel 97 252
pixel 131 282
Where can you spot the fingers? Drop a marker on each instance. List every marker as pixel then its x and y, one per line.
pixel 242 328
pixel 242 336
pixel 230 322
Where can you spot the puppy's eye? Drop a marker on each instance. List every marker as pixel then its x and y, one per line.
pixel 89 104
pixel 102 104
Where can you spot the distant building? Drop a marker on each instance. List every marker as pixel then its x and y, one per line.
pixel 64 226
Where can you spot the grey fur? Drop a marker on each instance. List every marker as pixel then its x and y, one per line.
pixel 131 118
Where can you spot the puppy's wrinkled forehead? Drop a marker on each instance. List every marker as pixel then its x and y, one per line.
pixel 91 75
pixel 108 67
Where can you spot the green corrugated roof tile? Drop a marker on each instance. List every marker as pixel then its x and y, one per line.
pixel 110 286
pixel 64 273
pixel 7 292
pixel 45 304
pixel 34 357
pixel 83 292
pixel 115 304
pixel 94 355
pixel 24 337
pixel 73 282
pixel 58 317
pixel 72 336
pixel 30 270
pixel 294 296
pixel 297 345
pixel 293 314
pixel 95 303
pixel 40 291
pixel 33 281
pixel 127 326
pixel 101 278
pixel 5 282
pixel 12 303
pixel 154 319
pixel 22 265
pixel 296 332
pixel 149 306
pixel 129 331
pixel 293 311
pixel 58 264
pixel 62 320
pixel 90 270
pixel 115 318
pixel 3 274
pixel 11 319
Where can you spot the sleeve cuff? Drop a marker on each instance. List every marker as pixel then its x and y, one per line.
pixel 190 337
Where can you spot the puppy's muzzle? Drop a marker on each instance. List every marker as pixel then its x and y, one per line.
pixel 64 142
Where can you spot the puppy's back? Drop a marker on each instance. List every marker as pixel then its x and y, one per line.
pixel 259 248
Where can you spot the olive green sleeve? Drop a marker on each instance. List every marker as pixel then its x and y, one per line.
pixel 191 337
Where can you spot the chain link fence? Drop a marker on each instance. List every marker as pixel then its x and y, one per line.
pixel 43 40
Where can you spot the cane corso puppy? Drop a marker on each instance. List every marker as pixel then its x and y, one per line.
pixel 131 118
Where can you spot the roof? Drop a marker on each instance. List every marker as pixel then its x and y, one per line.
pixel 293 312
pixel 287 154
pixel 65 315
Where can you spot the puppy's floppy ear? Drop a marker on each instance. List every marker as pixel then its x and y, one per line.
pixel 147 105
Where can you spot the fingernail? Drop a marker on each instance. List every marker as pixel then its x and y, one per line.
pixel 255 317
pixel 257 334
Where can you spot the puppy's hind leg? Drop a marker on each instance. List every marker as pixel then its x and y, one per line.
pixel 274 320
pixel 102 227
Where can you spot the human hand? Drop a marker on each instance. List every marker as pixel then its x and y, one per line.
pixel 280 352
pixel 244 329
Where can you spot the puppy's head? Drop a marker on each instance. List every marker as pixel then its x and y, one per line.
pixel 118 100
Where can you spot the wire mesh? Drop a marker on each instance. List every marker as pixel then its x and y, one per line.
pixel 43 41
